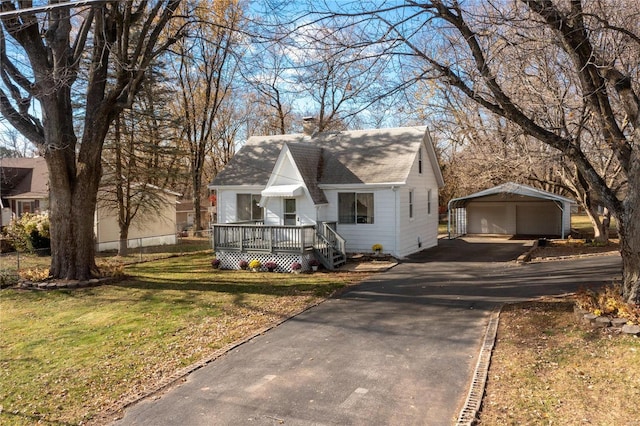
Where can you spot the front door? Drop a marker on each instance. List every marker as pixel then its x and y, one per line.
pixel 290 211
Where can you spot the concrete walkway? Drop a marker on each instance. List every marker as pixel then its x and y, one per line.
pixel 399 349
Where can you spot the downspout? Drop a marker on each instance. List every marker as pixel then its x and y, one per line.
pixel 449 219
pixel 395 219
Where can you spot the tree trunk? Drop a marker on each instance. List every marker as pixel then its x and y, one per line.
pixel 72 208
pixel 629 233
pixel 630 251
pixel 197 188
pixel 600 234
pixel 123 248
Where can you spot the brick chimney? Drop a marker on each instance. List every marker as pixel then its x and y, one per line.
pixel 309 126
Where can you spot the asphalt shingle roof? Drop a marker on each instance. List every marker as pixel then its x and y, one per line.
pixel 350 157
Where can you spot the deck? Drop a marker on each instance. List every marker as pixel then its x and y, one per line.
pixel 263 238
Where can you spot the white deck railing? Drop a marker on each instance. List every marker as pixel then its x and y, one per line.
pixel 263 238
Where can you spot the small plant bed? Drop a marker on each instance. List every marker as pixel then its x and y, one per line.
pixel 604 307
pixel 369 257
pixel 562 249
pixel 549 369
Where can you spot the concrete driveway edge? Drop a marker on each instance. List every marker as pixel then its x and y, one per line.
pixel 469 413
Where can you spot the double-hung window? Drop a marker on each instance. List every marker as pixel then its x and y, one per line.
pixel 354 207
pixel 248 207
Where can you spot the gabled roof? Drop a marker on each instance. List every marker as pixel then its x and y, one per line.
pixel 510 188
pixel 309 161
pixel 352 157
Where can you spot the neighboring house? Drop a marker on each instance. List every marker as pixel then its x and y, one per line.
pixel 24 187
pixel 294 197
pixel 148 229
pixel 511 209
pixel 185 214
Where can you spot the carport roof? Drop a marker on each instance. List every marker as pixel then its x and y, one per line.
pixel 510 188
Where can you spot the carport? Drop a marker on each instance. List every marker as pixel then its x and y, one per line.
pixel 510 209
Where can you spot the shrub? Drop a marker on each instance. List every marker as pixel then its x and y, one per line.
pixel 30 232
pixel 8 278
pixel 376 247
pixel 243 264
pixel 296 266
pixel 215 263
pixel 255 264
pixel 314 262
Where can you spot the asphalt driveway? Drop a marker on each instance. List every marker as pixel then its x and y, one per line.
pixel 399 349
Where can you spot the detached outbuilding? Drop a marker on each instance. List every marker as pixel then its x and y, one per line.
pixel 511 209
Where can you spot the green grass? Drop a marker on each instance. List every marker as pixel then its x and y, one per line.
pixel 67 355
pixel 582 224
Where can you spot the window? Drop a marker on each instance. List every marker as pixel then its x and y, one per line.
pixel 290 211
pixel 411 204
pixel 420 160
pixel 429 202
pixel 355 207
pixel 25 207
pixel 248 208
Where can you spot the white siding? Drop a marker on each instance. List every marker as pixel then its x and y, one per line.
pixel 361 236
pixel 273 211
pixel 421 232
pixel 226 202
pixel 306 210
pixel 392 227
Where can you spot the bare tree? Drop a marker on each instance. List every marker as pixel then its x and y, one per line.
pixel 41 57
pixel 140 159
pixel 266 72
pixel 13 145
pixel 205 72
pixel 342 80
pixel 472 49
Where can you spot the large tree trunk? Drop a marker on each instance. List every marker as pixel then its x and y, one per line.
pixel 73 183
pixel 72 208
pixel 629 232
pixel 630 251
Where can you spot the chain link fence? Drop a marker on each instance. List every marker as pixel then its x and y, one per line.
pixel 14 264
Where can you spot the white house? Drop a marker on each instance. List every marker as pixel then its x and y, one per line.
pixel 294 197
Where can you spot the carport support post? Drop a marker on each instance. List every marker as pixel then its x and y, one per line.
pixel 561 207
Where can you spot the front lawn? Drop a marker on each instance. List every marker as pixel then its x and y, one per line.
pixel 67 355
